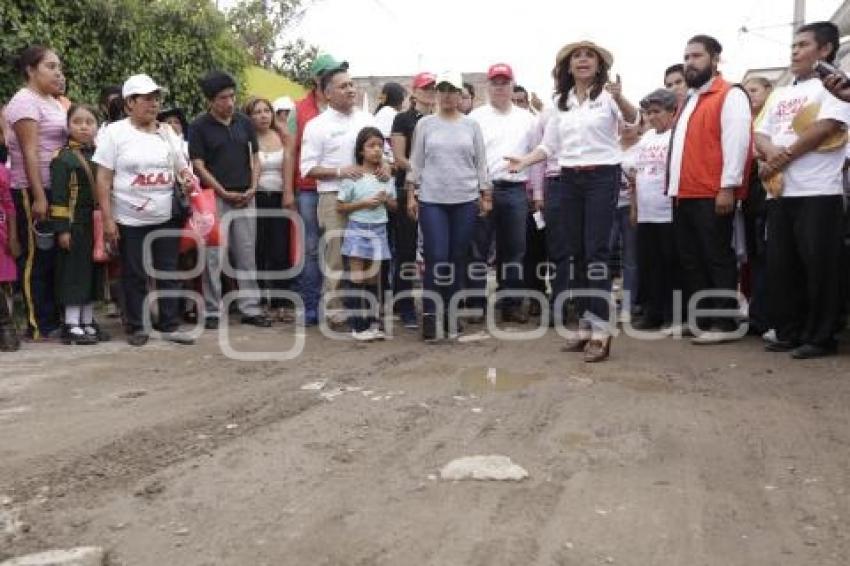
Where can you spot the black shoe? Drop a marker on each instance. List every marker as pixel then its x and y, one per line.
pixel 259 321
pixel 94 329
pixel 809 351
pixel 514 314
pixel 79 338
pixel 9 341
pixel 448 331
pixel 137 338
pixel 429 327
pixel 780 346
pixel 211 324
pixel 647 324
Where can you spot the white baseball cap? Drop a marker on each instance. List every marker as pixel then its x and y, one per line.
pixel 283 103
pixel 140 84
pixel 453 78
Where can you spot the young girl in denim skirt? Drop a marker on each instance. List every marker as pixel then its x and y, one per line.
pixel 365 245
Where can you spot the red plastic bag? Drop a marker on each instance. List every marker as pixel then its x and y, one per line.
pixel 203 222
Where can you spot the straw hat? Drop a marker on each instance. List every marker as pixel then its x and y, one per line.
pixel 568 49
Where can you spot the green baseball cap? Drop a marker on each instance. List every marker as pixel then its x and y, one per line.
pixel 325 63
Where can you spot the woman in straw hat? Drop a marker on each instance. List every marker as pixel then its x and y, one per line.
pixel 580 207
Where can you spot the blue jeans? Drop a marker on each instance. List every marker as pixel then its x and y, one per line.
pixel 310 280
pixel 507 223
pixel 446 234
pixel 623 229
pixel 579 214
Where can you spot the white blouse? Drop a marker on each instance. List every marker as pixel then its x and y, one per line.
pixel 271 171
pixel 585 134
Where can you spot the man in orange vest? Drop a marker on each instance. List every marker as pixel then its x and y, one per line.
pixel 710 155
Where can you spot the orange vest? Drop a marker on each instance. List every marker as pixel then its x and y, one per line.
pixel 702 158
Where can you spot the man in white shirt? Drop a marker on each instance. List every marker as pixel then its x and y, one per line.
pixel 710 153
pixel 507 130
pixel 803 138
pixel 327 155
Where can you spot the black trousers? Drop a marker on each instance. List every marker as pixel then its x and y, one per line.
pixel 272 250
pixel 535 255
pixel 706 258
pixel 36 271
pixel 404 237
pixel 134 277
pixel 656 249
pixel 804 258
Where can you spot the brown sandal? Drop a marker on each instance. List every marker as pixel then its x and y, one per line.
pixel 597 350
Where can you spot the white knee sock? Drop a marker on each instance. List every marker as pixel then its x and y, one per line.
pixel 72 315
pixel 87 315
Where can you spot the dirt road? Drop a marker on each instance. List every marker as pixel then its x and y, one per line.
pixel 669 454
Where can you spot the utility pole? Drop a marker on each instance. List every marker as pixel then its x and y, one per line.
pixel 799 16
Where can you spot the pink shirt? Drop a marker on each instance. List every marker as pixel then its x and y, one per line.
pixel 52 133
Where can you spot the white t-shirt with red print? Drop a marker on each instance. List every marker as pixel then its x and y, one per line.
pixel 815 173
pixel 653 206
pixel 143 165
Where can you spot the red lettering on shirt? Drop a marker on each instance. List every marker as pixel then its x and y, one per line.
pixel 152 180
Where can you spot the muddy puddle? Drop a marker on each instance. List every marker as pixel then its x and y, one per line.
pixel 483 379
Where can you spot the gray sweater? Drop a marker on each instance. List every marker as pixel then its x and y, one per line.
pixel 447 160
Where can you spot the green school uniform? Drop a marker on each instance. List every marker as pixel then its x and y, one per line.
pixel 79 280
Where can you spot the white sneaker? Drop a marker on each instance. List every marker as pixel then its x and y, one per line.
pixel 378 333
pixel 711 337
pixel 367 335
pixel 677 330
pixel 770 336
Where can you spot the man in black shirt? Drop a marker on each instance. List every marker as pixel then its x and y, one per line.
pixel 406 231
pixel 223 147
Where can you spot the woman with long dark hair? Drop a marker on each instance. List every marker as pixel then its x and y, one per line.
pixel 272 231
pixel 580 208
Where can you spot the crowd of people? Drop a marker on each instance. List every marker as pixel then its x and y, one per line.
pixel 722 206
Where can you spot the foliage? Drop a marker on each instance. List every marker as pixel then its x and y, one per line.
pixel 260 24
pixel 102 42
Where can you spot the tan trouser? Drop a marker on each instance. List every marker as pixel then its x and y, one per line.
pixel 331 221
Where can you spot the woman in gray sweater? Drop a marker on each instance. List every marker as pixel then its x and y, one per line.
pixel 449 180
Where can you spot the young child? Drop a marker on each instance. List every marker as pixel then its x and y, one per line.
pixel 78 278
pixel 365 245
pixel 10 249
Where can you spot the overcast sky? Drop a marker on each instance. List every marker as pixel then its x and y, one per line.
pixel 387 37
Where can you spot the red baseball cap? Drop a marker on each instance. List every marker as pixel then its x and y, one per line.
pixel 500 70
pixel 424 79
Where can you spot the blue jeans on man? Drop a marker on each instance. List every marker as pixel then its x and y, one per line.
pixel 507 225
pixel 309 282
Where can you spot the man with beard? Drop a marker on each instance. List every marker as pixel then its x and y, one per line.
pixel 710 153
